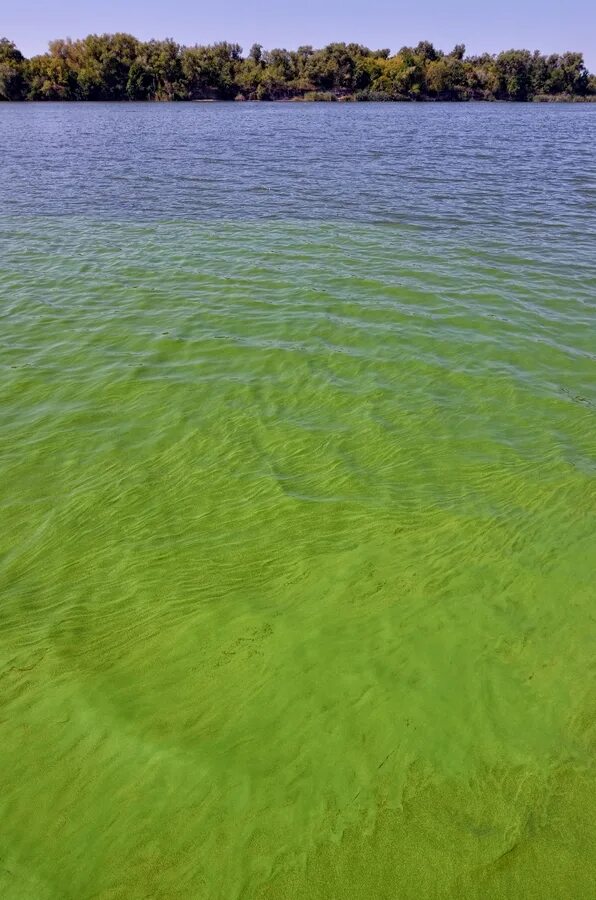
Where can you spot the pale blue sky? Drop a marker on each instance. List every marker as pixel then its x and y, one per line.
pixel 548 25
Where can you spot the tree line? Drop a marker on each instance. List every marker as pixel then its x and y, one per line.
pixel 120 67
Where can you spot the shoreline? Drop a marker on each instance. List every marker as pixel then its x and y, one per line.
pixel 546 99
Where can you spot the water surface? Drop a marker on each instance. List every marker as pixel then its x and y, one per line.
pixel 297 482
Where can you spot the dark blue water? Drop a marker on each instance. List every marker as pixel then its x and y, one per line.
pixel 437 166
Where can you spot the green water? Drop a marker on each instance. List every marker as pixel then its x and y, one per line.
pixel 297 566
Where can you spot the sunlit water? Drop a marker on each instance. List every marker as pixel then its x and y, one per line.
pixel 297 489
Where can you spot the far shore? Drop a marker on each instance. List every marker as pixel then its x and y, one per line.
pixel 121 67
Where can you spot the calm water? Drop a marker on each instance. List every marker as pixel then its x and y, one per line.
pixel 297 483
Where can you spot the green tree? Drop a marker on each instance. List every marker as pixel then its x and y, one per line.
pixel 256 53
pixel 458 52
pixel 51 77
pixel 446 78
pixel 210 72
pixel 426 51
pixel 513 75
pixel 156 73
pixel 119 67
pixel 12 81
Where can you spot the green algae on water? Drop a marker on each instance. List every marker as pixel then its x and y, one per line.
pixel 297 560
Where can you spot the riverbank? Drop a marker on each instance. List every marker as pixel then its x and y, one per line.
pixel 120 67
pixel 315 97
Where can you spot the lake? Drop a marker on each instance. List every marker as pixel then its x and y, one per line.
pixel 297 480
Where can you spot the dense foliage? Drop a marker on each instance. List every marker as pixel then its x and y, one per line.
pixel 120 67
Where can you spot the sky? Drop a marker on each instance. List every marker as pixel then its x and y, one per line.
pixel 548 25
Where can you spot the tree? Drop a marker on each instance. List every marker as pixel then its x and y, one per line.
pixel 101 63
pixel 512 70
pixel 119 67
pixel 51 77
pixel 446 78
pixel 12 82
pixel 426 51
pixel 160 69
pixel 255 53
pixel 211 71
